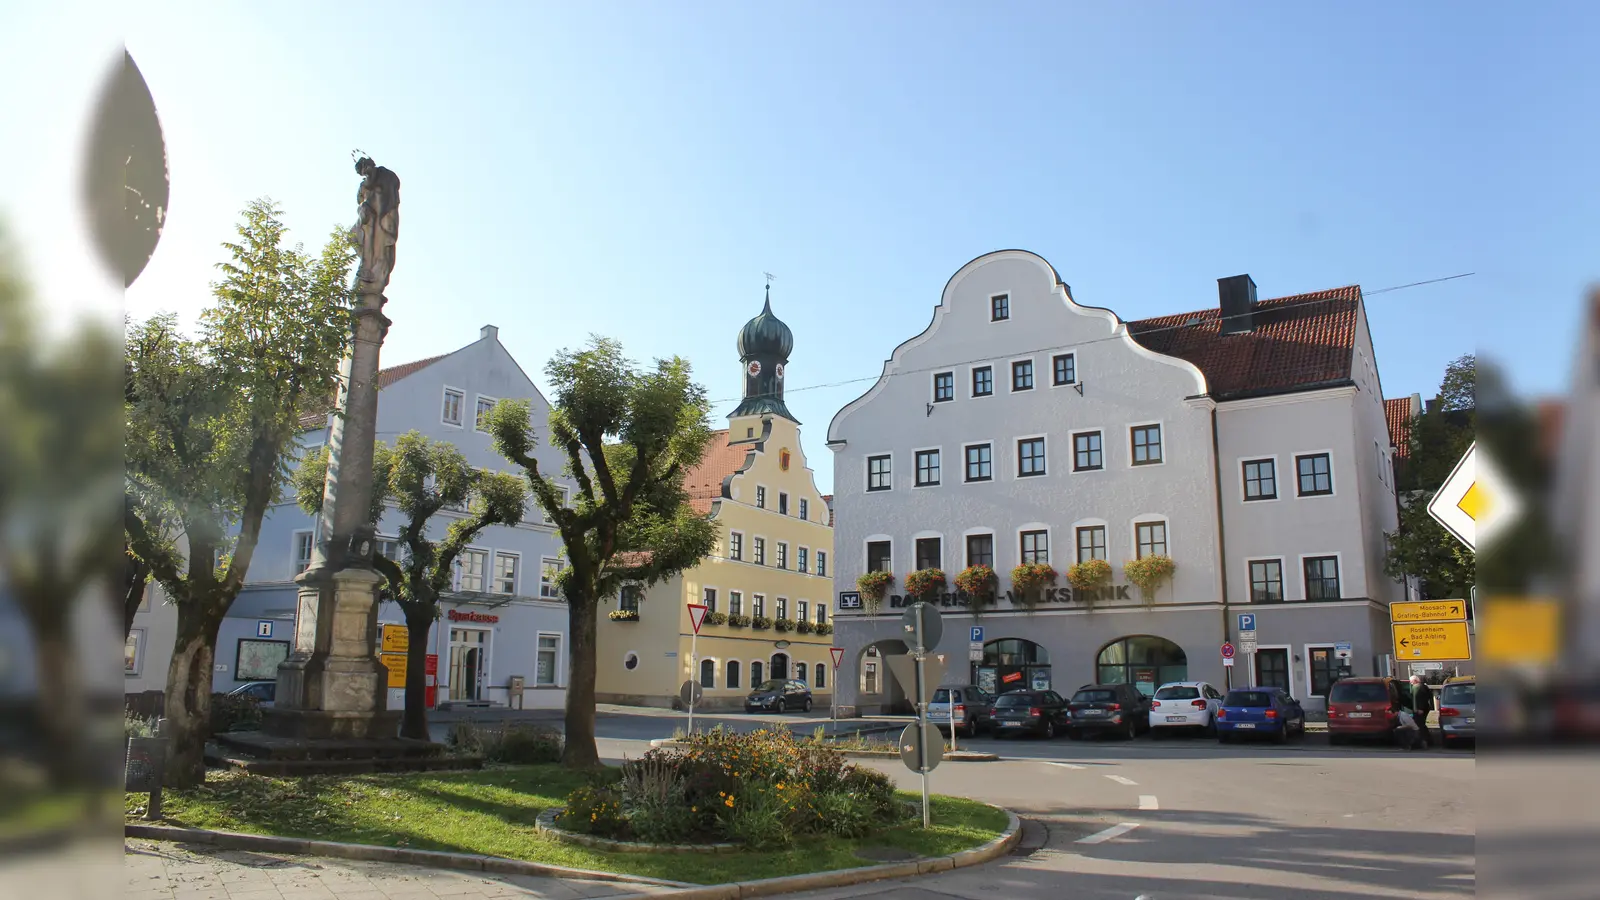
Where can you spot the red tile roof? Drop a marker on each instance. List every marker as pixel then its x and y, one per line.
pixel 1298 343
pixel 704 482
pixel 1398 412
pixel 317 416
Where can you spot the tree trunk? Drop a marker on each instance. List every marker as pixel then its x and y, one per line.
pixel 188 702
pixel 415 723
pixel 580 751
pixel 61 700
pixel 135 588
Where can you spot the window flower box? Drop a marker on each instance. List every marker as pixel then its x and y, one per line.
pixel 783 625
pixel 874 586
pixel 624 615
pixel 923 584
pixel 761 623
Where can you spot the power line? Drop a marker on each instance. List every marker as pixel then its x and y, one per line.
pixel 1193 322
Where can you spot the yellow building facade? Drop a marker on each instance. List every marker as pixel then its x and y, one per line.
pixel 769 582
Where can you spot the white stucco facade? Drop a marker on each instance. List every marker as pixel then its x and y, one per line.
pixel 1132 400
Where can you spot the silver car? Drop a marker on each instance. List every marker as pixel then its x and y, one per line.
pixel 1458 710
pixel 973 709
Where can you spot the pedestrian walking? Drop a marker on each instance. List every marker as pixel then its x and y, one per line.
pixel 1421 705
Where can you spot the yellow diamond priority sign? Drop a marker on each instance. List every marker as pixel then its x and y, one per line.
pixel 1476 501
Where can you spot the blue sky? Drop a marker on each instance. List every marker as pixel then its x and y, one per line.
pixel 633 169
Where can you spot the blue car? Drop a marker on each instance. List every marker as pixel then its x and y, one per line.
pixel 1259 710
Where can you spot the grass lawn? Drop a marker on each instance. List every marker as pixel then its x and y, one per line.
pixel 493 812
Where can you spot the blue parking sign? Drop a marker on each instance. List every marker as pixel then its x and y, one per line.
pixel 1247 621
pixel 977 634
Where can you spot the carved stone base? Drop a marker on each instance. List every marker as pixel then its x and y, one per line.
pixel 320 725
pixel 334 686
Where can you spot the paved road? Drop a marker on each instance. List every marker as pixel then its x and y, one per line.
pixel 1163 821
pixel 163 871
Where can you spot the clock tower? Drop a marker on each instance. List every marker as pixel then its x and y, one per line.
pixel 764 346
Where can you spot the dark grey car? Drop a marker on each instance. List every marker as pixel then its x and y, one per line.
pixel 973 709
pixel 1458 711
pixel 779 696
pixel 1030 712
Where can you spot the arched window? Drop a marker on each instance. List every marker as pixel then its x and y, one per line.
pixel 800 671
pixel 1144 660
pixel 708 673
pixel 755 674
pixel 818 674
pixel 732 679
pixel 779 666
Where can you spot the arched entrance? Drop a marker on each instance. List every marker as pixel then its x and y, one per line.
pixel 1143 660
pixel 779 667
pixel 878 693
pixel 1012 664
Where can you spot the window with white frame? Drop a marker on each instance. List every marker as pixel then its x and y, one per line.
pixel 708 673
pixel 944 387
pixel 1146 444
pixel 505 572
pixel 800 559
pixel 980 550
pixel 1322 577
pixel 800 672
pixel 805 509
pixel 471 567
pixel 1088 454
pixel 731 679
pixel 565 497
pixel 1030 457
pixel 390 548
pixel 1064 368
pixel 735 603
pixel 628 598
pixel 1022 375
pixel 708 599
pixel 783 555
pixel 760 551
pixel 879 554
pixel 480 422
pixel 822 562
pixel 1091 542
pixel 761 497
pixel 783 503
pixel 1260 479
pixel 783 608
pixel 802 611
pixel 1035 546
pixel 758 605
pixel 304 543
pixel 879 476
pixel 550 578
pixel 1315 471
pixel 983 381
pixel 980 462
pixel 1266 581
pixel 999 307
pixel 133 652
pixel 822 613
pixel 546 667
pixel 927 468
pixel 818 673
pixel 735 545
pixel 454 400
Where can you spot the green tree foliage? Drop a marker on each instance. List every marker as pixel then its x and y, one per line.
pixel 211 423
pixel 629 436
pixel 1421 547
pixel 59 468
pixel 421 478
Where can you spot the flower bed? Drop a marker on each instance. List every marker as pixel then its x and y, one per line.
pixel 625 615
pixel 761 791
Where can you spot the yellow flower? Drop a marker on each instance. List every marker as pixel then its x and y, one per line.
pixel 729 801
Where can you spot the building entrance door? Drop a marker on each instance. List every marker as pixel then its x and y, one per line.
pixel 1272 668
pixel 469 659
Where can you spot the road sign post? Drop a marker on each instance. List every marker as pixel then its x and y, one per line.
pixel 925 627
pixel 697 616
pixel 833 696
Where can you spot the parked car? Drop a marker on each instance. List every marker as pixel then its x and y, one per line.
pixel 778 695
pixel 973 709
pixel 1458 710
pixel 1030 712
pixel 1184 704
pixel 1109 709
pixel 263 692
pixel 1259 710
pixel 1363 707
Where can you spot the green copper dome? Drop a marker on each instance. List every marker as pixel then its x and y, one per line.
pixel 765 335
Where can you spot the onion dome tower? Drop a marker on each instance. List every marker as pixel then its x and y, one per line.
pixel 764 347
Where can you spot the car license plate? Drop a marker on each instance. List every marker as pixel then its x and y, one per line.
pixel 1177 718
pixel 1245 725
pixel 1361 715
pixel 1012 724
pixel 1472 720
pixel 1094 712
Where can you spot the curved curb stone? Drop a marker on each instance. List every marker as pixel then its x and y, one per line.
pixel 546 822
pixel 996 848
pixel 471 862
pixel 952 756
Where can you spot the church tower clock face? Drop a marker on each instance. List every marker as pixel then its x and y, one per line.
pixel 778 371
pixel 754 368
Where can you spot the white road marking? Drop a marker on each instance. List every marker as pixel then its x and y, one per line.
pixel 1100 837
pixel 1064 765
pixel 1120 780
pixel 1148 801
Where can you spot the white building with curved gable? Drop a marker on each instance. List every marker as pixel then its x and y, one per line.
pixel 1024 426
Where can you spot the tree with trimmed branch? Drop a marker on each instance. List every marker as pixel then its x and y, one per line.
pixel 629 435
pixel 422 478
pixel 211 425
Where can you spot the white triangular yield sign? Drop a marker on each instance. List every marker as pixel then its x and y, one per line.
pixel 697 614
pixel 838 655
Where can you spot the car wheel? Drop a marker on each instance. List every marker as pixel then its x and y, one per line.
pixel 1210 728
pixel 808 704
pixel 1133 730
pixel 1281 735
pixel 781 706
pixel 1049 729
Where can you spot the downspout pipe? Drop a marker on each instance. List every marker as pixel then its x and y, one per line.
pixel 1222 537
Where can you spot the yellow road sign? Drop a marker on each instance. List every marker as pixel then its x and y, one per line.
pixel 396 663
pixel 1520 631
pixel 1431 641
pixel 1476 501
pixel 396 639
pixel 1428 611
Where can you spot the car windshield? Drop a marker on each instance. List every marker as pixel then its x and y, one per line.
pixel 1460 694
pixel 1017 700
pixel 1094 696
pixel 770 686
pixel 941 696
pixel 1178 693
pixel 1358 692
pixel 1248 699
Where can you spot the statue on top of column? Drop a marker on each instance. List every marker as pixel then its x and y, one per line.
pixel 377 229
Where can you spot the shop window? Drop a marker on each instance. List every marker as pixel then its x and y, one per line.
pixel 1145 661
